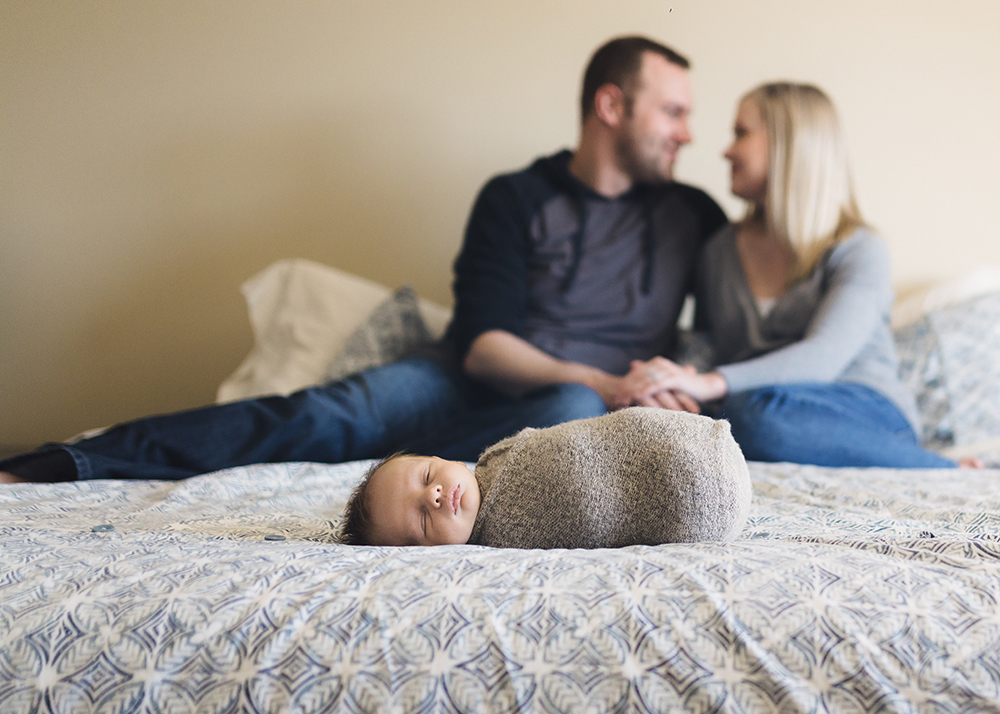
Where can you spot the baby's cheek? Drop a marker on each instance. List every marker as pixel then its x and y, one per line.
pixel 467 532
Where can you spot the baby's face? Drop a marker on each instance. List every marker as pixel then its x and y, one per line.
pixel 422 500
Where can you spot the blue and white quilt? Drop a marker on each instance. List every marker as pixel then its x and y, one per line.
pixel 849 591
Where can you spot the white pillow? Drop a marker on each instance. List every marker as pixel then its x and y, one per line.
pixel 972 284
pixel 301 314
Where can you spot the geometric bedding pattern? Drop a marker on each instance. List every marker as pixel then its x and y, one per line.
pixel 848 591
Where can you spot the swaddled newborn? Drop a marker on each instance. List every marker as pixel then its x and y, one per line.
pixel 637 476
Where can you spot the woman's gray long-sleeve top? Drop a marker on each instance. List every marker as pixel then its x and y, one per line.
pixel 832 326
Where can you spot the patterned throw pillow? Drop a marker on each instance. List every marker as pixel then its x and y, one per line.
pixel 394 329
pixel 948 358
pixel 921 370
pixel 969 342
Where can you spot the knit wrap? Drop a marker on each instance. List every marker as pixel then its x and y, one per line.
pixel 639 476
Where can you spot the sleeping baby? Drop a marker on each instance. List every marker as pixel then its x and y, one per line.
pixel 639 476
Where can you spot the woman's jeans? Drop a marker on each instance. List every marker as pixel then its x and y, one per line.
pixel 839 424
pixel 418 404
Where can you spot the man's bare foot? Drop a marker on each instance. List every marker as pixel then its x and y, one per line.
pixel 9 478
pixel 970 462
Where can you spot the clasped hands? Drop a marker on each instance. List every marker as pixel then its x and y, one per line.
pixel 659 382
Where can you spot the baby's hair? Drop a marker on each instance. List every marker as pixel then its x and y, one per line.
pixel 357 516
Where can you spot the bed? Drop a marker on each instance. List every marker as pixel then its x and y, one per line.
pixel 848 590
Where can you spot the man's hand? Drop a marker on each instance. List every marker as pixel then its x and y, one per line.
pixel 515 367
pixel 671 399
pixel 660 382
pixel 621 392
pixel 636 388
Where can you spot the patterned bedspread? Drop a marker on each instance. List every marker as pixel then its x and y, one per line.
pixel 850 590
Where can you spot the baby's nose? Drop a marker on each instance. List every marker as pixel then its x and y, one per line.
pixel 436 495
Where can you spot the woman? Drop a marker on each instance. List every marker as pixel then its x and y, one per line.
pixel 795 300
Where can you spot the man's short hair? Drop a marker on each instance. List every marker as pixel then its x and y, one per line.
pixel 618 62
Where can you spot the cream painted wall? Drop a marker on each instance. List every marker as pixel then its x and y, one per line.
pixel 154 155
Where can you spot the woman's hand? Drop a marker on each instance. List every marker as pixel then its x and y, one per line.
pixel 658 375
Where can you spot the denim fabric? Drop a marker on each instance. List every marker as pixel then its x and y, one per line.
pixel 478 428
pixel 418 404
pixel 840 424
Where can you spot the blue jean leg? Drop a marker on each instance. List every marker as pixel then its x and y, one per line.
pixel 419 404
pixel 363 416
pixel 838 424
pixel 487 423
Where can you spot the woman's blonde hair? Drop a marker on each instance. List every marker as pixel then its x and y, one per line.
pixel 810 195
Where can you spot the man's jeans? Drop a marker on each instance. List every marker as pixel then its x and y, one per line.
pixel 838 424
pixel 418 404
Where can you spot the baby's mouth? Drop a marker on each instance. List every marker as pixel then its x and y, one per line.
pixel 454 497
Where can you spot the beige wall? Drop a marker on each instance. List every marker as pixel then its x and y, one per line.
pixel 154 155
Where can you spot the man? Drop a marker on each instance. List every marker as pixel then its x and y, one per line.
pixel 570 270
pixel 579 265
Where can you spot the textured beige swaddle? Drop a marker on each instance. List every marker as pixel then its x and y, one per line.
pixel 637 476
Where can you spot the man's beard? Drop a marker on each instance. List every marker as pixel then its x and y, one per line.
pixel 641 166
